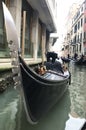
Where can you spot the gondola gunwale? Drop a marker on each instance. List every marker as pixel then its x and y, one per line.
pixel 37 76
pixel 49 82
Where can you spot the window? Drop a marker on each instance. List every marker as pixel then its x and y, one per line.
pixel 72 32
pixel 39 41
pixel 28 45
pixel 80 48
pixel 75 39
pixel 78 38
pixel 81 8
pixel 75 28
pixel 78 24
pixel 85 6
pixel 81 37
pixel 84 35
pixel 81 22
pixel 4 51
pixel 85 20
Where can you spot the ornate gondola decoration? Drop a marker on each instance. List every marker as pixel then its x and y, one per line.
pixel 40 93
pixel 13 43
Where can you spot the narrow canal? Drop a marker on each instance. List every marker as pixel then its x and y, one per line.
pixel 68 114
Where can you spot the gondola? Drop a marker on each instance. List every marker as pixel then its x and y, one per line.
pixel 65 60
pixel 80 61
pixel 40 92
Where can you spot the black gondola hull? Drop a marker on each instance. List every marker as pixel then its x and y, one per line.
pixel 40 94
pixel 80 62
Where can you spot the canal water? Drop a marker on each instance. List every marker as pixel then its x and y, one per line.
pixel 68 114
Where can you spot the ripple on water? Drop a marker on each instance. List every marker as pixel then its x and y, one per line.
pixel 8 109
pixel 78 91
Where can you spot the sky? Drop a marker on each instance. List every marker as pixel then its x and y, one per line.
pixel 63 7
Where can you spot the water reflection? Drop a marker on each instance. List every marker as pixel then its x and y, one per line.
pixel 78 91
pixel 77 116
pixel 56 118
pixel 8 109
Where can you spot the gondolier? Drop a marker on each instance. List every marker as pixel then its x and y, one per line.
pixel 51 56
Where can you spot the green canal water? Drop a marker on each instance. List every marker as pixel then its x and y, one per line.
pixel 68 114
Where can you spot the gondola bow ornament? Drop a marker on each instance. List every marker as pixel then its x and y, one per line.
pixel 11 31
pixel 13 43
